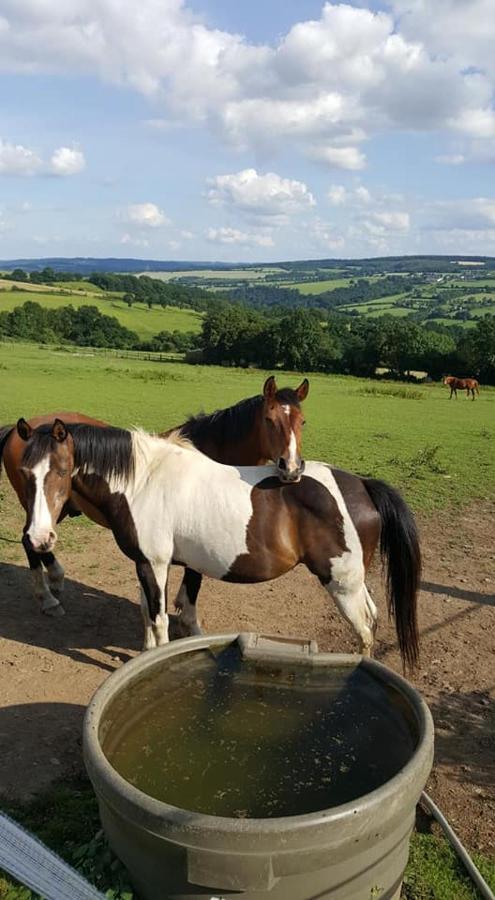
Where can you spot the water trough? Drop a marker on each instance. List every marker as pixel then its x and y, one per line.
pixel 240 763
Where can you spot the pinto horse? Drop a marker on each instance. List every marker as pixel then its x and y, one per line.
pixel 166 502
pixel 254 431
pixel 470 385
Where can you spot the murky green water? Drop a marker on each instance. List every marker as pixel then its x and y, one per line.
pixel 228 737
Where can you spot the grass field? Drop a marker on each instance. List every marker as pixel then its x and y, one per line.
pixel 438 451
pixel 145 322
pixel 213 274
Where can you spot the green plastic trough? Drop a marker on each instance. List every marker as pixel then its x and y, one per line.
pixel 354 851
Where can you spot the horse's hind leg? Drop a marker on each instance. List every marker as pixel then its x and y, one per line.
pixel 185 602
pixel 42 593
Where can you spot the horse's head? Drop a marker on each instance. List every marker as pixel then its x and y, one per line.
pixel 47 466
pixel 447 379
pixel 283 422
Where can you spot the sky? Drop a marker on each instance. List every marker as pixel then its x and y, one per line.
pixel 246 131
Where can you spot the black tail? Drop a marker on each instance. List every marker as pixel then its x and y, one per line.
pixel 4 433
pixel 399 548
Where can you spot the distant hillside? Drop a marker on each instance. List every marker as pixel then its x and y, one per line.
pixel 388 264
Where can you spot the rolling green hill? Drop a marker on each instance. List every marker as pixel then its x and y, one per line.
pixel 145 322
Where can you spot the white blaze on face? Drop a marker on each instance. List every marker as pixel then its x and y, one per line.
pixel 41 520
pixel 292 463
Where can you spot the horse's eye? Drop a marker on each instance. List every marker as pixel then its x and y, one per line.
pixel 62 473
pixel 303 422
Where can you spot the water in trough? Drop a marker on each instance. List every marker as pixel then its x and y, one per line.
pixel 218 734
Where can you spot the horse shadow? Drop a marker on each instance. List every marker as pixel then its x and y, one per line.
pixel 95 620
pixel 458 593
pixel 40 743
pixel 464 728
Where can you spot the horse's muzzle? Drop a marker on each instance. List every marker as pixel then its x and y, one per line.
pixel 290 476
pixel 43 544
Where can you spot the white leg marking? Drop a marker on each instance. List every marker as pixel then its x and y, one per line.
pixel 56 577
pixel 49 604
pixel 353 605
pixel 160 625
pixel 149 636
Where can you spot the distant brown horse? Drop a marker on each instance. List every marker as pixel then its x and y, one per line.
pixel 253 432
pixel 470 385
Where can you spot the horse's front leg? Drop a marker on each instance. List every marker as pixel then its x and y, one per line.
pixel 153 580
pixel 185 602
pixel 42 593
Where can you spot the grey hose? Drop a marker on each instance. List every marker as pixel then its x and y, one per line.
pixel 461 851
pixel 31 863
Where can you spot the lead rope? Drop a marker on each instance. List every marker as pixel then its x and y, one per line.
pixel 31 863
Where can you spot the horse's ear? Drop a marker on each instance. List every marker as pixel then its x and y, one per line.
pixel 303 390
pixel 270 388
pixel 59 431
pixel 24 429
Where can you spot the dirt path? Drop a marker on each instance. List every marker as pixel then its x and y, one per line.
pixel 49 668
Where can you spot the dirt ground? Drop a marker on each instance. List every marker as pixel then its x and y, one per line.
pixel 49 668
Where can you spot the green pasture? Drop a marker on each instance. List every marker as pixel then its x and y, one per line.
pixel 217 274
pixel 139 318
pixel 317 287
pixel 439 451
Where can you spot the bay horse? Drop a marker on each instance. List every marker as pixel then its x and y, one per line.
pixel 252 432
pixel 470 385
pixel 166 502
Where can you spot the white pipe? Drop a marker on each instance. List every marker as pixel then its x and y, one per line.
pixel 459 848
pixel 31 863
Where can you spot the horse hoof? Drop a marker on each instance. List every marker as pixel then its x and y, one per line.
pixel 55 611
pixel 196 631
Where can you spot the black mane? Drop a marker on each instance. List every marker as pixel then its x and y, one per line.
pixel 233 424
pixel 106 451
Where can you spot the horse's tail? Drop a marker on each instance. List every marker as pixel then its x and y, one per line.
pixel 4 433
pixel 399 548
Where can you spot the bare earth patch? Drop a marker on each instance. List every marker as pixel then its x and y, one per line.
pixel 49 668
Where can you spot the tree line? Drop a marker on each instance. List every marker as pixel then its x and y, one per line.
pixel 301 340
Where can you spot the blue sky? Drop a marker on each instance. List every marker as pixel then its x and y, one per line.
pixel 215 130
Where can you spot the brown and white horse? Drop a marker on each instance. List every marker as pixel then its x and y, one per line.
pixel 166 502
pixel 470 385
pixel 253 432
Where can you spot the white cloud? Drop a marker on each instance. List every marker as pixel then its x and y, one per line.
pixel 326 85
pixel 326 235
pixel 266 196
pixel 133 240
pixel 15 159
pixel 146 215
pixel 18 160
pixel 186 234
pixel 476 214
pixel 234 236
pixel 337 195
pixel 67 161
pixel 451 159
pixel 392 221
pixel 339 157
